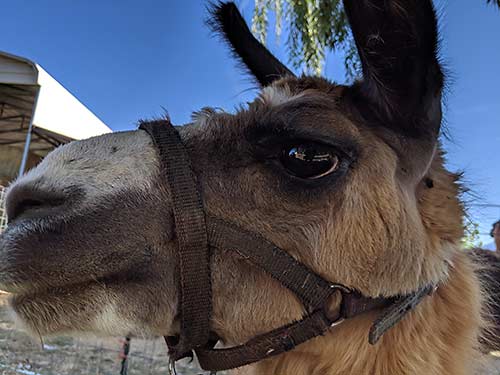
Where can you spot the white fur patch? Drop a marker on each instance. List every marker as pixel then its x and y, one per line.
pixel 275 96
pixel 110 322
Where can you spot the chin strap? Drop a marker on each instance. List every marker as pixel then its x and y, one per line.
pixel 198 234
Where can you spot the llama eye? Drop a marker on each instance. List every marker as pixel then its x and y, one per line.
pixel 309 160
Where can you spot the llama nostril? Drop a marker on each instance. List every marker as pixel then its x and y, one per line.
pixel 27 202
pixel 24 206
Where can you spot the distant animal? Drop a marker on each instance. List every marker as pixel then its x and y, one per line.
pixel 489 271
pixel 495 234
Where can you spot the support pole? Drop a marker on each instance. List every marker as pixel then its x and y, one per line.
pixel 27 144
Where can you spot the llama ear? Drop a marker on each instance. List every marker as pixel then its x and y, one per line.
pixel 227 21
pixel 397 41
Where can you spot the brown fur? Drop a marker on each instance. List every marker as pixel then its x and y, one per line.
pixel 388 222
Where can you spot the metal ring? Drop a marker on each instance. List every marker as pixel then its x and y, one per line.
pixel 341 287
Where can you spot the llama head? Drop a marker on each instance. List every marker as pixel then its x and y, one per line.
pixel 344 178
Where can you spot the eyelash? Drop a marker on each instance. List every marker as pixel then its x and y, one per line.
pixel 270 148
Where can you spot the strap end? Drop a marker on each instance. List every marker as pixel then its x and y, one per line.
pixel 396 312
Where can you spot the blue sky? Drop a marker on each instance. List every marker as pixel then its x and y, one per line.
pixel 127 60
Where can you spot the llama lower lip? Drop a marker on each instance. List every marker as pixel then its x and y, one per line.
pixel 26 226
pixel 19 288
pixel 23 294
pixel 32 261
pixel 29 290
pixel 10 288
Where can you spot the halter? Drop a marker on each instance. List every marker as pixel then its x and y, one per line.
pixel 199 235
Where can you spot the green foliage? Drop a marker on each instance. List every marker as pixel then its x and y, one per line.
pixel 313 27
pixel 471 236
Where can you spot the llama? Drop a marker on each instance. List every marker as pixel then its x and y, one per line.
pixel 91 244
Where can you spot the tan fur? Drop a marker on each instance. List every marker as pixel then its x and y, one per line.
pixel 416 346
pixel 440 337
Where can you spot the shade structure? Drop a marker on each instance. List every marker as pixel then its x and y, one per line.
pixel 36 108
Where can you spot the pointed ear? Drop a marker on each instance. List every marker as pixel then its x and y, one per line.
pixel 227 21
pixel 397 41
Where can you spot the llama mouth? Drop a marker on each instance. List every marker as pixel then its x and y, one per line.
pixel 28 289
pixel 22 287
pixel 39 254
pixel 15 264
pixel 26 229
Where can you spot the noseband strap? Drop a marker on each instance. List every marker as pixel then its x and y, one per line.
pixel 195 300
pixel 197 233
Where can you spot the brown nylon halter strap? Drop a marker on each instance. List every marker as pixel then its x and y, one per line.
pixel 266 345
pixel 312 290
pixel 195 302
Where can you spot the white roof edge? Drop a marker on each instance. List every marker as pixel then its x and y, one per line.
pixel 57 110
pixel 18 77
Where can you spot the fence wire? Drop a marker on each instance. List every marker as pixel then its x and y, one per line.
pixel 3 213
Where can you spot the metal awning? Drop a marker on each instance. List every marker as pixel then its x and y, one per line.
pixel 17 103
pixel 29 95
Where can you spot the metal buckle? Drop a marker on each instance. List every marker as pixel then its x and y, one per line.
pixel 343 289
pixel 173 371
pixel 433 289
pixel 171 367
pixel 337 322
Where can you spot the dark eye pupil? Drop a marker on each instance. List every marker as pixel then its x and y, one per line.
pixel 309 160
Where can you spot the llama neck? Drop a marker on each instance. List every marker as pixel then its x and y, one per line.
pixel 438 337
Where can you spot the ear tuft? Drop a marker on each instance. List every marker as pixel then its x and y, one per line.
pixel 225 20
pixel 397 41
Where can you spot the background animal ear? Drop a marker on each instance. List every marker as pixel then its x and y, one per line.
pixel 227 21
pixel 397 41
